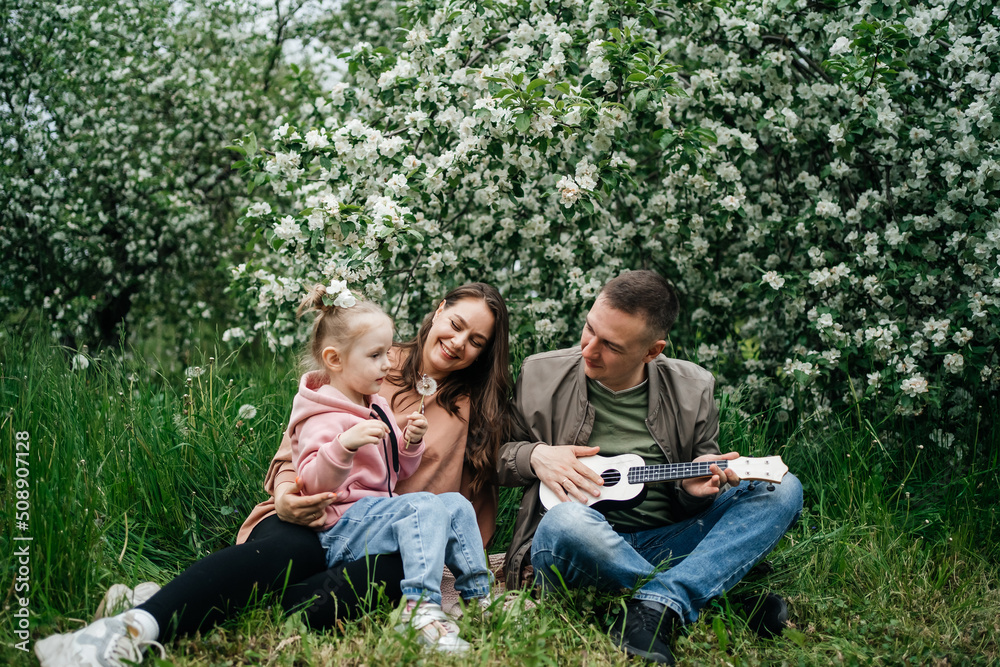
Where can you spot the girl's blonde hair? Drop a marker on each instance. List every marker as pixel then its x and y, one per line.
pixel 333 325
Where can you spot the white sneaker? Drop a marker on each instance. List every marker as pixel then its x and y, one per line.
pixel 484 603
pixel 434 627
pixel 121 598
pixel 516 603
pixel 103 643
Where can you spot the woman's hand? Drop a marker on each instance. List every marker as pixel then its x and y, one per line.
pixel 704 487
pixel 368 432
pixel 416 427
pixel 292 507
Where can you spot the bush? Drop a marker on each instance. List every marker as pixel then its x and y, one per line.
pixel 119 201
pixel 819 180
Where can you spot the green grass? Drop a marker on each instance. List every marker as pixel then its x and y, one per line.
pixel 893 562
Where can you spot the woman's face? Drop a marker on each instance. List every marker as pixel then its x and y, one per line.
pixel 458 335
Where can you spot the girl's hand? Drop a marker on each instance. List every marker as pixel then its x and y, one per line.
pixel 416 427
pixel 292 507
pixel 368 432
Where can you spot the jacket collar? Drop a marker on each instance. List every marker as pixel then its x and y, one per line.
pixel 655 387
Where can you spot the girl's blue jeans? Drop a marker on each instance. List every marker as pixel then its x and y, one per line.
pixel 428 530
pixel 681 565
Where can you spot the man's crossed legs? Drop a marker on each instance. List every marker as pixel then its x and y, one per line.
pixel 675 569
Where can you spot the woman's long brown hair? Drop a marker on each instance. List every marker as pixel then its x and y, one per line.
pixel 486 382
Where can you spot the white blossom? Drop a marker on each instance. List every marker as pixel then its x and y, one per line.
pixel 842 45
pixel 774 279
pixel 954 363
pixel 914 386
pixel 258 209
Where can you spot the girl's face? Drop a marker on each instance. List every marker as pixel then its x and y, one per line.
pixel 361 370
pixel 457 337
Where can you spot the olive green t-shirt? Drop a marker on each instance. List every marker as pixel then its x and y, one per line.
pixel 620 428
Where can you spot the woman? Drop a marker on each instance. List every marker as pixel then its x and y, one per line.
pixel 463 345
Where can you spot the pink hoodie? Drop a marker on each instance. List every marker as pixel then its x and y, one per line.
pixel 320 414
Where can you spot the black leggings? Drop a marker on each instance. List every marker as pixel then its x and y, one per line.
pixel 278 557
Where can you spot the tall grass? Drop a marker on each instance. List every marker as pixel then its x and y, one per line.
pixel 135 474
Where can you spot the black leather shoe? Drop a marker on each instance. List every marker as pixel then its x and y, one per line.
pixel 766 613
pixel 644 629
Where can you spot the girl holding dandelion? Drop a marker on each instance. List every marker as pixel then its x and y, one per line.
pixel 344 442
pixel 463 346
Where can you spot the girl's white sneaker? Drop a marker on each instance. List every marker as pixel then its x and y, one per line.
pixel 434 627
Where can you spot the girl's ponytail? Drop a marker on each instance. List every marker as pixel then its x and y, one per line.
pixel 336 309
pixel 313 301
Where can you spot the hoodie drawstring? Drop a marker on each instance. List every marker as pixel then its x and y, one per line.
pixel 395 448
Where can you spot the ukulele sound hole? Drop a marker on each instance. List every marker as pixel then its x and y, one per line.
pixel 611 477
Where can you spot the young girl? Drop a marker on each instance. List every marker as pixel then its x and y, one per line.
pixel 343 441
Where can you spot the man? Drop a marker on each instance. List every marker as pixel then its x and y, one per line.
pixel 685 542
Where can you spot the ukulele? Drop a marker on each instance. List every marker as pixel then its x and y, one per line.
pixel 626 475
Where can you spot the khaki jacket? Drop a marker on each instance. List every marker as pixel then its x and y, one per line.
pixel 551 407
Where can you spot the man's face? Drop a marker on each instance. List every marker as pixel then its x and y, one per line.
pixel 616 346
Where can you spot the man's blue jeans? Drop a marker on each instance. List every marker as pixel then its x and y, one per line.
pixel 428 530
pixel 682 565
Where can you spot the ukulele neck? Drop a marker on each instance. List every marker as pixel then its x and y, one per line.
pixel 672 471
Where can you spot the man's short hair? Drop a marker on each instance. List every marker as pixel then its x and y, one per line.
pixel 647 294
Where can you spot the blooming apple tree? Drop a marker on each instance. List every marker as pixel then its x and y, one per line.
pixel 819 180
pixel 119 202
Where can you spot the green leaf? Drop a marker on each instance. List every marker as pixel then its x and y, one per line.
pixel 719 627
pixel 641 98
pixel 636 76
pixel 795 636
pixel 252 243
pixel 535 84
pixel 238 149
pixel 523 121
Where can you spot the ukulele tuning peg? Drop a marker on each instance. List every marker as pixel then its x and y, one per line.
pixel 751 486
pixel 770 487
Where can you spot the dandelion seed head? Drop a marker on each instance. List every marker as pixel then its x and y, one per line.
pixel 426 386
